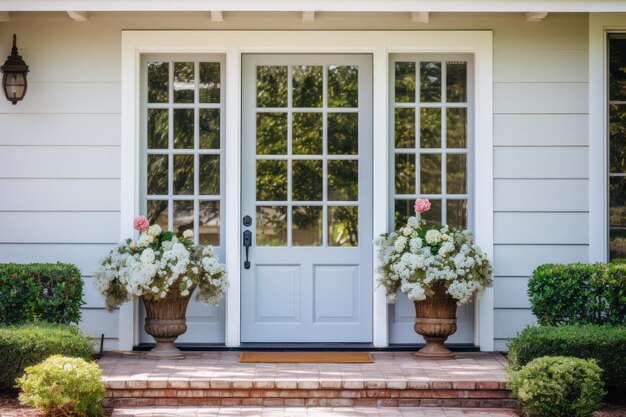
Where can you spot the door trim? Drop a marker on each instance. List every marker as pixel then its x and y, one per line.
pixel 380 44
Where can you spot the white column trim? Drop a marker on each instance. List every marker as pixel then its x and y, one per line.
pixel 378 43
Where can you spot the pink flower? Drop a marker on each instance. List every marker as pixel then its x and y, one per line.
pixel 422 205
pixel 141 223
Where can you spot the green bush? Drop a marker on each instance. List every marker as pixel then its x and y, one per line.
pixel 43 292
pixel 27 345
pixel 579 294
pixel 558 387
pixel 605 344
pixel 63 386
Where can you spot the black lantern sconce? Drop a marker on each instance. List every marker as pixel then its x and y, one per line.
pixel 14 81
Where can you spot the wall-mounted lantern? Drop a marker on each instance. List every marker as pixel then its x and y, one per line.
pixel 14 81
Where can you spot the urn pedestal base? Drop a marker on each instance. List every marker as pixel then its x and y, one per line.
pixel 435 320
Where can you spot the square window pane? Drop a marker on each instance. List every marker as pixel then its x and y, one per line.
pixel 617 138
pixel 209 174
pixel 271 180
pixel 183 216
pixel 343 180
pixel 158 81
pixel 308 86
pixel 343 226
pixel 157 175
pixel 405 82
pixel 307 133
pixel 430 82
pixel 271 86
pixel 456 211
pixel 456 128
pixel 456 174
pixel 403 209
pixel 209 128
pixel 209 223
pixel 343 86
pixel 405 173
pixel 456 82
pixel 430 128
pixel 158 128
pixel 617 219
pixel 433 216
pixel 271 133
pixel 430 173
pixel 157 213
pixel 210 82
pixel 306 226
pixel 271 226
pixel 617 69
pixel 306 181
pixel 343 133
pixel 183 174
pixel 404 128
pixel 183 128
pixel 184 84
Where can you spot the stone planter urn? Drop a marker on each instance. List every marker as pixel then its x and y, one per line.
pixel 435 320
pixel 165 321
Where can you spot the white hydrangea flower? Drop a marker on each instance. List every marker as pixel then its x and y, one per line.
pixel 400 243
pixel 154 230
pixel 433 237
pixel 188 234
pixel 413 222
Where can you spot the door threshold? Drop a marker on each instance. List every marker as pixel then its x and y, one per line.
pixel 306 347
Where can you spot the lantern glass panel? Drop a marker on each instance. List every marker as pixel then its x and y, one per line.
pixel 14 85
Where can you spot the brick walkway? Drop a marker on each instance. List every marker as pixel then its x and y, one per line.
pixel 311 412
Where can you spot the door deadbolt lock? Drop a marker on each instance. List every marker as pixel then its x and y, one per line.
pixel 247 221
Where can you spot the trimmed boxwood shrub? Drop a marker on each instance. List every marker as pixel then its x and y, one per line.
pixel 605 344
pixel 579 294
pixel 40 292
pixel 27 345
pixel 558 387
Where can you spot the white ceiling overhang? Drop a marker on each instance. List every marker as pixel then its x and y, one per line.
pixel 318 5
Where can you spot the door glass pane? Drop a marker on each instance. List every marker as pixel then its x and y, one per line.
pixel 183 128
pixel 403 209
pixel 433 216
pixel 271 86
pixel 306 226
pixel 209 82
pixel 183 174
pixel 271 180
pixel 617 138
pixel 456 82
pixel 343 180
pixel 456 173
pixel 343 226
pixel 617 69
pixel 430 173
pixel 430 82
pixel 209 223
pixel 457 213
pixel 183 216
pixel 405 82
pixel 184 84
pixel 430 128
pixel 157 213
pixel 404 131
pixel 456 128
pixel 158 127
pixel 343 133
pixel 158 81
pixel 209 128
pixel 271 133
pixel 405 173
pixel 308 86
pixel 343 86
pixel 209 174
pixel 307 133
pixel 307 181
pixel 157 174
pixel 617 219
pixel 271 226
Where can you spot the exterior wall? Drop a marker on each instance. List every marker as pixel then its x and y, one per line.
pixel 60 148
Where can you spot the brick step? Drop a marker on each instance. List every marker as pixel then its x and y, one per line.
pixel 313 412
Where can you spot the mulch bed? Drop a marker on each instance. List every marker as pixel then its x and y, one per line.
pixel 10 407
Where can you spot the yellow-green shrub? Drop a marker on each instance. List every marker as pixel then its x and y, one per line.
pixel 63 386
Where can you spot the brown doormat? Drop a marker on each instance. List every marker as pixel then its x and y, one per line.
pixel 305 357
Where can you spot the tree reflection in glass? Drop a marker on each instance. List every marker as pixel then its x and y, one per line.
pixel 306 225
pixel 343 226
pixel 271 133
pixel 184 84
pixel 343 86
pixel 209 223
pixel 158 81
pixel 271 86
pixel 307 86
pixel 271 226
pixel 430 82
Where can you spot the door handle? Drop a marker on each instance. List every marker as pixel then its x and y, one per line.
pixel 247 242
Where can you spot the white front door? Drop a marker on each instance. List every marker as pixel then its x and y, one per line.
pixel 306 198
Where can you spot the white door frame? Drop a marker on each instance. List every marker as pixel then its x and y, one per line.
pixel 380 44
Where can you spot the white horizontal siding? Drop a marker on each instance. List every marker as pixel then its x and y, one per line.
pixel 532 98
pixel 521 260
pixel 541 195
pixel 511 292
pixel 59 162
pixel 541 162
pixel 59 227
pixel 60 195
pixel 60 129
pixel 557 66
pixel 95 322
pixel 541 130
pixel 541 228
pixel 509 322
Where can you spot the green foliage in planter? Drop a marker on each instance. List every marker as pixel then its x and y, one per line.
pixel 558 386
pixel 579 294
pixel 44 292
pixel 26 345
pixel 63 386
pixel 605 344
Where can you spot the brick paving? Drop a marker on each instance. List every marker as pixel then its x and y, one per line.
pixel 311 412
